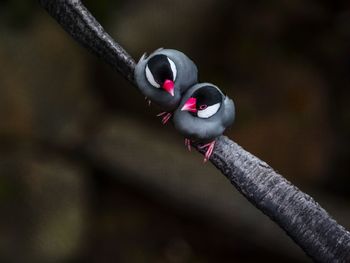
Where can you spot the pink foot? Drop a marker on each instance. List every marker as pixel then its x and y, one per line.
pixel 166 116
pixel 209 151
pixel 188 144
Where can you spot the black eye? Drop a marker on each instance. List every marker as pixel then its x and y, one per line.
pixel 159 69
pixel 203 107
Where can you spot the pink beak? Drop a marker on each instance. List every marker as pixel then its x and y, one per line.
pixel 190 105
pixel 168 86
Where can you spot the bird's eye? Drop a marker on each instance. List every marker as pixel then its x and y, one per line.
pixel 208 111
pixel 203 107
pixel 159 69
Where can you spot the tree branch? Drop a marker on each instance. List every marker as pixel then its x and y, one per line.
pixel 304 220
pixel 83 27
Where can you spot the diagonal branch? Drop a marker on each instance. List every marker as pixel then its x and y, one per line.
pixel 304 220
pixel 83 27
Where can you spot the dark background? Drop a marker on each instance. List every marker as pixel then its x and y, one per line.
pixel 88 173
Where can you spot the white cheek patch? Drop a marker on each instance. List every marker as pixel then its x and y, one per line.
pixel 173 68
pixel 209 111
pixel 150 78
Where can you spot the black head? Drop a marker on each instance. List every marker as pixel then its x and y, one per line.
pixel 204 102
pixel 161 72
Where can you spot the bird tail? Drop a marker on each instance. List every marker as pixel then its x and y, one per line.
pixel 143 57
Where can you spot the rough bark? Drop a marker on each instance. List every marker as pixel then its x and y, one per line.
pixel 83 27
pixel 304 220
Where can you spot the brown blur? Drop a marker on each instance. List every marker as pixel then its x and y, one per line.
pixel 89 174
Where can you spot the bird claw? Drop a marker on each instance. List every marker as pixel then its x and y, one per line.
pixel 188 144
pixel 161 114
pixel 166 116
pixel 210 147
pixel 148 101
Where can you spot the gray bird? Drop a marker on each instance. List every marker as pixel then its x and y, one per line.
pixel 164 76
pixel 203 114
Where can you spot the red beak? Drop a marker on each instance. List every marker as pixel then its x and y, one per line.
pixel 168 86
pixel 190 105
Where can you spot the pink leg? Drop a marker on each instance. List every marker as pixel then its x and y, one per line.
pixel 209 151
pixel 166 116
pixel 188 144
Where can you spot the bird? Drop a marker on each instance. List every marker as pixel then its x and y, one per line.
pixel 163 77
pixel 203 114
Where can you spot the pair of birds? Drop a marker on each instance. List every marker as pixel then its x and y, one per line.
pixel 201 111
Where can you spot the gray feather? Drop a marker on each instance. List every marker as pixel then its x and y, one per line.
pixel 199 129
pixel 187 75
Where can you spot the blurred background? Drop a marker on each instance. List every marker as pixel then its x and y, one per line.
pixel 89 174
